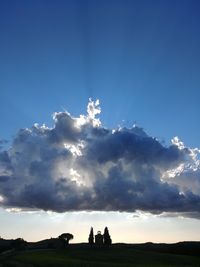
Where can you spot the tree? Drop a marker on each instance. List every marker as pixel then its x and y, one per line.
pixel 106 236
pixel 19 244
pixel 91 237
pixel 66 237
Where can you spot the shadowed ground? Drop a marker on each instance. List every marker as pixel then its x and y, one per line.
pixel 83 256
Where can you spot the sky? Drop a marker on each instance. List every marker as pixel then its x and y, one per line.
pixel 99 109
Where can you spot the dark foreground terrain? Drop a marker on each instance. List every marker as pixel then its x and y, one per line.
pixel 118 255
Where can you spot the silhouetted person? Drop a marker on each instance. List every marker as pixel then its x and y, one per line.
pixel 91 237
pixel 106 237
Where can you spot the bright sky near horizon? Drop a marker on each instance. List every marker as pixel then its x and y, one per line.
pixel 141 59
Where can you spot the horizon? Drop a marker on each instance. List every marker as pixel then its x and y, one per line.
pixel 99 119
pixel 116 238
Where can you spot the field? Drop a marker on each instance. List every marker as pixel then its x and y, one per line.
pixel 91 257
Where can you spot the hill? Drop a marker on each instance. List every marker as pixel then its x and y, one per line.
pixel 182 248
pixel 119 255
pixel 87 257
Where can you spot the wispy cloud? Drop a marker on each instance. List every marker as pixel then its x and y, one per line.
pixel 78 164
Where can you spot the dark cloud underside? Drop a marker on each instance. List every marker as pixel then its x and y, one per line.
pixel 80 165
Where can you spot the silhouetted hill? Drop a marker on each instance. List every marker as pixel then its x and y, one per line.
pixel 79 255
pixel 182 248
pixel 52 243
pixel 5 244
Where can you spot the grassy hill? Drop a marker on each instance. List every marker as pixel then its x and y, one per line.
pixel 84 256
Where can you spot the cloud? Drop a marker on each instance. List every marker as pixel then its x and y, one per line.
pixel 78 164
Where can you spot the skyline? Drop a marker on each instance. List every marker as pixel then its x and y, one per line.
pixel 61 155
pixel 124 227
pixel 99 119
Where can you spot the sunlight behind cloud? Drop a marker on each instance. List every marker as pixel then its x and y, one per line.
pixel 80 165
pixel 1 198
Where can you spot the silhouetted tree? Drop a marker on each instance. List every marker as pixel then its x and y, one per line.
pixel 91 237
pixel 19 244
pixel 65 237
pixel 106 236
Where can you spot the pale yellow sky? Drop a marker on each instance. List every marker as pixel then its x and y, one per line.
pixel 123 227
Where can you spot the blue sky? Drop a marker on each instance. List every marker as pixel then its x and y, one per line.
pixel 141 59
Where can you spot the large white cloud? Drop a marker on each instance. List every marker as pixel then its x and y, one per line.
pixel 80 165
